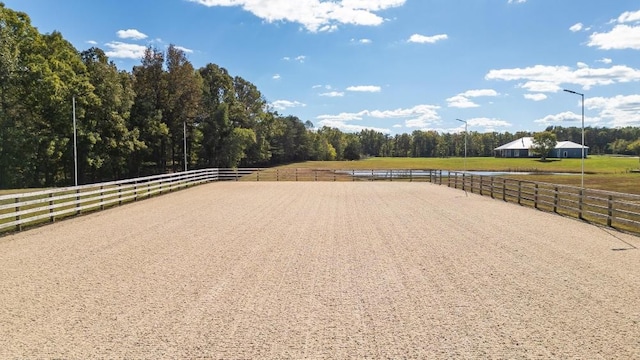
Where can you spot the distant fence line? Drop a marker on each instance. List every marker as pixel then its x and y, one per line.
pixel 615 210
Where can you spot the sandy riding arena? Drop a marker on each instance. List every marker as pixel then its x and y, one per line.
pixel 322 271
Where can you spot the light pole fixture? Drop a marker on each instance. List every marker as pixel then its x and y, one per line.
pixel 75 142
pixel 582 152
pixel 465 143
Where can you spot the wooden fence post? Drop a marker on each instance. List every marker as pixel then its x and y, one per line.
pixel 535 196
pixel 580 200
pixel 481 185
pixel 51 217
pixel 491 186
pixel 610 211
pixel 18 225
pixel 504 189
pixel 555 199
pixel 519 192
pixel 101 197
pixel 77 201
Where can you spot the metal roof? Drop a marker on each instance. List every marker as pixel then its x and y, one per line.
pixel 525 143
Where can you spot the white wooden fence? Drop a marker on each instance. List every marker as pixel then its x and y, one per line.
pixel 36 207
pixel 617 210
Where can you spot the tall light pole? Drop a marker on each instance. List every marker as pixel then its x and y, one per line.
pixel 465 143
pixel 184 140
pixel 582 172
pixel 75 142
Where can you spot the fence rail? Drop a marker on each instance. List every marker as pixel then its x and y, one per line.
pixel 616 210
pixel 611 209
pixel 29 208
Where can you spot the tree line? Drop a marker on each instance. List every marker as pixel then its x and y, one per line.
pixel 134 123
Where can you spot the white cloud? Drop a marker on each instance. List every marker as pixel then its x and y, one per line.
pixel 344 127
pixel 362 41
pixel 620 37
pixel 300 58
pixel 535 97
pixel 131 34
pixel 286 104
pixel 462 100
pixel 184 49
pixel 480 92
pixel 567 116
pixel 605 61
pixel 517 1
pixel 422 39
pixel 120 50
pixel 582 65
pixel 92 42
pixel 276 77
pixel 314 15
pixel 487 122
pixel 365 88
pixel 618 111
pixel 333 94
pixel 577 27
pixel 541 78
pixel 344 116
pixel 419 116
pixel 629 16
pixel 541 86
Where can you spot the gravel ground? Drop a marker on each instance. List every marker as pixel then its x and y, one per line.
pixel 320 270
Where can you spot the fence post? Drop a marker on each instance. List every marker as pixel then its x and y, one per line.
pixel 77 201
pixel 504 189
pixel 491 186
pixel 135 191
pixel 440 177
pixel 481 185
pixel 101 197
pixel 119 194
pixel 610 211
pixel 258 175
pixel 51 217
pixel 519 192
pixel 315 174
pixel 353 175
pixel 464 181
pixel 535 196
pixel 555 199
pixel 580 200
pixel 18 225
pixel 277 175
pixel 391 175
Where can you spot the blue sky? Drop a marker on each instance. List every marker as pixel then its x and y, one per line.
pixel 391 65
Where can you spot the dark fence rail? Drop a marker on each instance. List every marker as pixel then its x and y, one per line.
pixel 611 209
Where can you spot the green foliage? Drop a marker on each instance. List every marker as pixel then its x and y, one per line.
pixel 132 123
pixel 543 143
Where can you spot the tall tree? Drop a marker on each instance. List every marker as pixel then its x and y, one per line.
pixel 180 107
pixel 543 143
pixel 106 141
pixel 149 85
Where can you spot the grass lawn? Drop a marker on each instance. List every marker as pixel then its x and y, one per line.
pixel 592 165
pixel 601 172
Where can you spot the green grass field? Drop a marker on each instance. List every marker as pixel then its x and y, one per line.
pixel 601 172
pixel 592 165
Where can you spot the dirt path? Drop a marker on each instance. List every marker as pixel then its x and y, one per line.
pixel 320 270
